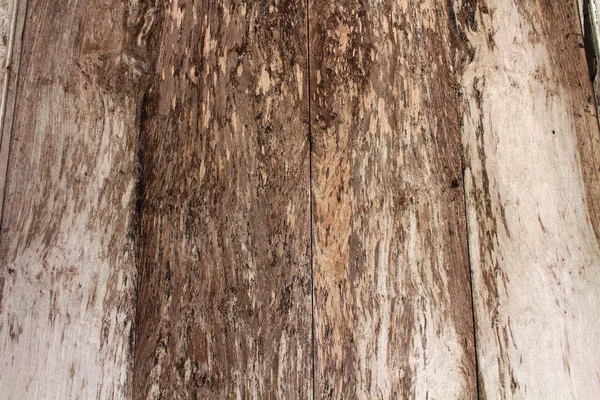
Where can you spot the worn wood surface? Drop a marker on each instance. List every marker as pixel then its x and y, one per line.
pixel 12 23
pixel 5 31
pixel 532 147
pixel 178 223
pixel 224 297
pixel 66 250
pixel 393 315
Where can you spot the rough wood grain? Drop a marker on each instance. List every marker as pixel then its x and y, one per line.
pixel 6 7
pixel 66 254
pixel 224 297
pixel 393 315
pixel 533 156
pixel 589 12
pixel 9 88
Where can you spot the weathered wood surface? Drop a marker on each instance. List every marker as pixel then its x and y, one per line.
pixel 68 262
pixel 5 32
pixel 224 298
pixel 12 24
pixel 175 139
pixel 533 155
pixel 393 316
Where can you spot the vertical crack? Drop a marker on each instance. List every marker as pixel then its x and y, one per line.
pixel 472 287
pixel 136 229
pixel 310 197
pixel 589 39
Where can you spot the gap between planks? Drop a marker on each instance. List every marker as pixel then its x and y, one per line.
pixel 310 197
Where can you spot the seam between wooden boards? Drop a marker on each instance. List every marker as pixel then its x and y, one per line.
pixel 310 197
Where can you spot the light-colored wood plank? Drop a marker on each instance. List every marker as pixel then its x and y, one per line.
pixel 393 315
pixel 6 9
pixel 67 275
pixel 10 58
pixel 224 299
pixel 533 156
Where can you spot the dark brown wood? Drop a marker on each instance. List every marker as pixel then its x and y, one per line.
pixel 393 315
pixel 67 255
pixel 224 298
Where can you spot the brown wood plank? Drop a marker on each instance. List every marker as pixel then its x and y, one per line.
pixel 224 301
pixel 533 155
pixel 66 253
pixel 393 315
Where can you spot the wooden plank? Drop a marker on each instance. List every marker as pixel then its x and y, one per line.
pixel 6 7
pixel 393 315
pixel 224 297
pixel 67 275
pixel 10 58
pixel 533 155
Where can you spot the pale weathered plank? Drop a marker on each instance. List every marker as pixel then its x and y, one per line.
pixel 533 155
pixel 6 8
pixel 10 57
pixel 66 253
pixel 224 297
pixel 393 315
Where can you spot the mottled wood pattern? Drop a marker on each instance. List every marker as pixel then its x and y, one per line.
pixel 68 263
pixel 532 147
pixel 300 199
pixel 224 297
pixel 393 315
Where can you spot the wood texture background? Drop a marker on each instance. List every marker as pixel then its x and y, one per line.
pixel 300 199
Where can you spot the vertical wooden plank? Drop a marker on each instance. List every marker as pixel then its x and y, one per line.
pixel 10 58
pixel 66 254
pixel 6 8
pixel 393 315
pixel 590 22
pixel 533 156
pixel 224 301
